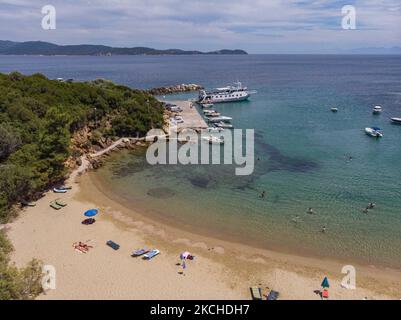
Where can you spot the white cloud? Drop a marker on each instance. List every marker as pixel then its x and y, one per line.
pixel 258 25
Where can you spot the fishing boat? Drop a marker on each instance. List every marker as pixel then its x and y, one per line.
pixel 220 119
pixel 214 140
pixel 396 120
pixel 374 132
pixel 224 125
pixel 237 92
pixel 151 254
pixel 377 110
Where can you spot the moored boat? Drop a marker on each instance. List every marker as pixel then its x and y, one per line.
pixel 377 110
pixel 374 132
pixel 396 120
pixel 237 92
pixel 214 140
pixel 223 125
pixel 220 119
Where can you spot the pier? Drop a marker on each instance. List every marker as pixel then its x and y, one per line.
pixel 191 116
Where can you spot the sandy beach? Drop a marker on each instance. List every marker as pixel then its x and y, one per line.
pixel 221 270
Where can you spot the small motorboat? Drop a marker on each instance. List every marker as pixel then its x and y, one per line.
pixel 207 105
pixel 140 252
pixel 377 110
pixel 212 114
pixel 396 120
pixel 214 140
pixel 151 254
pixel 220 119
pixel 57 190
pixel 223 125
pixel 214 129
pixel 334 109
pixel 374 132
pixel 209 111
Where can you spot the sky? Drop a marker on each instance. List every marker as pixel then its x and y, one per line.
pixel 257 26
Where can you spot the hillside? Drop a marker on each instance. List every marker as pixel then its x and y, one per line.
pixel 47 48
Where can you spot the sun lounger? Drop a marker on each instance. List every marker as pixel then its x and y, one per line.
pixel 60 203
pixel 27 204
pixel 256 293
pixel 273 295
pixel 151 254
pixel 139 252
pixel 113 245
pixel 55 206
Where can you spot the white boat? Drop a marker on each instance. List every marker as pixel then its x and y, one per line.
pixel 207 105
pixel 213 114
pixel 396 120
pixel 211 139
pixel 374 132
pixel 214 130
pixel 220 119
pixel 208 111
pixel 334 109
pixel 223 125
pixel 377 110
pixel 226 94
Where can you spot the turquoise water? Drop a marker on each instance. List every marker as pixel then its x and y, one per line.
pixel 304 152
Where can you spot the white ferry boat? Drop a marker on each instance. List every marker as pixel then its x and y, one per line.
pixel 227 94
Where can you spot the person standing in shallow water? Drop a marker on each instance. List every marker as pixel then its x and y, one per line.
pixel 310 211
pixel 263 194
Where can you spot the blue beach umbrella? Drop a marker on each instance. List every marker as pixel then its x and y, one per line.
pixel 91 213
pixel 325 283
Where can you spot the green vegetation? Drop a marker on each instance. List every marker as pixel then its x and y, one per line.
pixel 38 118
pixel 17 283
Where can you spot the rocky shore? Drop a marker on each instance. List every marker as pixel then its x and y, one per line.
pixel 174 89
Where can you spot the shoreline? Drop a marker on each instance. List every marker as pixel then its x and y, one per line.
pixel 222 270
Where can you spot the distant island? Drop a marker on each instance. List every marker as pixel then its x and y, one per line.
pixel 47 48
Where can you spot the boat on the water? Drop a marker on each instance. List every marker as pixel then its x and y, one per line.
pixel 207 105
pixel 224 125
pixel 220 119
pixel 396 120
pixel 377 110
pixel 212 114
pixel 237 92
pixel 214 129
pixel 214 140
pixel 334 109
pixel 374 132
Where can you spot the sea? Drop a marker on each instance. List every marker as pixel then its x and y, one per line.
pixel 305 155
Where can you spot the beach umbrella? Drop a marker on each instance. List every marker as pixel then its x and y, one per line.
pixel 184 255
pixel 325 283
pixel 91 213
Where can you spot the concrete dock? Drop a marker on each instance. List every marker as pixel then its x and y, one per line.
pixel 191 116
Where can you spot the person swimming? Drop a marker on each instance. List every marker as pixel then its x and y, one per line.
pixel 310 211
pixel 263 194
pixel 324 229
